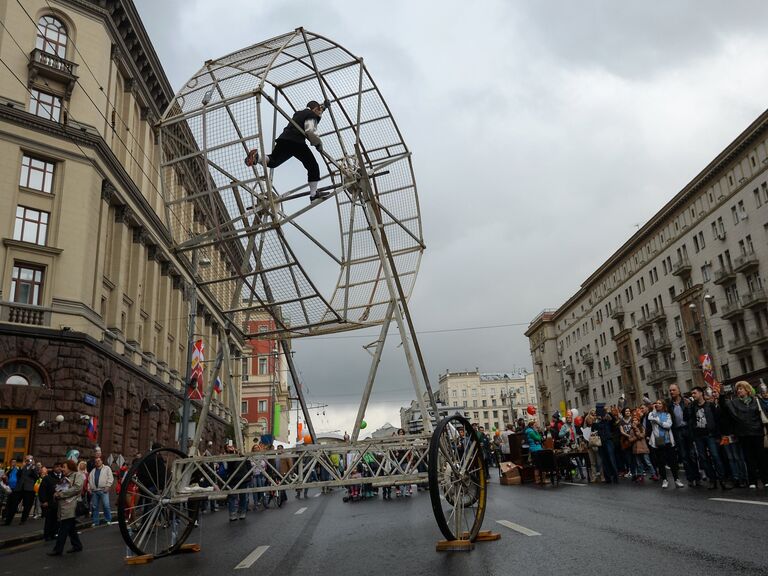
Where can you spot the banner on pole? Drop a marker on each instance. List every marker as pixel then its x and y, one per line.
pixel 709 372
pixel 198 357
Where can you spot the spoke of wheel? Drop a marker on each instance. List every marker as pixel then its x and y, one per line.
pixel 147 528
pixel 137 520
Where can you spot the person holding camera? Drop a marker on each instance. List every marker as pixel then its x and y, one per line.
pixel 24 491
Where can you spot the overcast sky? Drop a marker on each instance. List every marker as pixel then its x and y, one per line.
pixel 542 132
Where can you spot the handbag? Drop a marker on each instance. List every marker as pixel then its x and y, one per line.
pixel 595 441
pixel 81 508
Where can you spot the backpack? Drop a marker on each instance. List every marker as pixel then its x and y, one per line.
pixel 13 478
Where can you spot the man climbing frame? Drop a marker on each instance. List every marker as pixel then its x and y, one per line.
pixel 291 144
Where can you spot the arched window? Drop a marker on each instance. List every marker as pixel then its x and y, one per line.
pixel 20 374
pixel 51 36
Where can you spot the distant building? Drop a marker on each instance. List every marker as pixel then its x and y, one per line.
pixel 688 283
pixel 265 402
pixel 412 419
pixel 490 399
pixel 385 431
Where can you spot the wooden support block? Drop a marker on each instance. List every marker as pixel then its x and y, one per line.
pixel 143 559
pixel 484 536
pixel 454 546
pixel 188 548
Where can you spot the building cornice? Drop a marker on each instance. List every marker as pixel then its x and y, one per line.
pixel 132 40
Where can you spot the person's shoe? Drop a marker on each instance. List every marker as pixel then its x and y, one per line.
pixel 690 484
pixel 752 487
pixel 665 483
pixel 55 553
pixel 319 195
pixel 713 485
pixel 697 483
pixel 74 550
pixel 678 484
pixel 655 477
pixel 241 516
pixel 252 158
pixel 232 517
pixel 724 486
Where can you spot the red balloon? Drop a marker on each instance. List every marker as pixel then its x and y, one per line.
pixel 578 420
pixel 531 409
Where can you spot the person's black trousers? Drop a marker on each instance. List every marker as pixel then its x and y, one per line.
pixel 67 528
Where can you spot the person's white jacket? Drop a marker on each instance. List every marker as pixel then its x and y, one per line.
pixel 661 420
pixel 106 479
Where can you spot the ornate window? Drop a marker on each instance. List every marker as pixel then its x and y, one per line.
pixel 36 174
pixel 31 225
pixel 52 36
pixel 27 284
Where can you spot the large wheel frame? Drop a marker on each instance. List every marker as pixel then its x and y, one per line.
pixel 457 479
pixel 150 522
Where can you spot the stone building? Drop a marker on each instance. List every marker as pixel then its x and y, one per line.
pixel 94 306
pixel 689 283
pixel 490 399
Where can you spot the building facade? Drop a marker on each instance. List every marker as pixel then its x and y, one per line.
pixel 265 401
pixel 94 305
pixel 689 283
pixel 490 399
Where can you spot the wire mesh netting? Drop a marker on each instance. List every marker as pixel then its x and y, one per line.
pixel 244 227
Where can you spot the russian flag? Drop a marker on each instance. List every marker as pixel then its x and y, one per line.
pixel 217 385
pixel 92 430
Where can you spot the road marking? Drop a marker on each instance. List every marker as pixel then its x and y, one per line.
pixel 316 495
pixel 299 511
pixel 251 558
pixel 740 501
pixel 574 484
pixel 518 528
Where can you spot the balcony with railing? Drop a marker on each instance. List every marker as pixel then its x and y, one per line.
pixel 739 345
pixel 54 67
pixel 758 337
pixel 654 317
pixel 617 312
pixel 731 309
pixel 724 275
pixel 569 369
pixel 16 313
pixel 588 358
pixel 682 267
pixel 746 262
pixel 755 298
pixel 658 376
pixel 694 329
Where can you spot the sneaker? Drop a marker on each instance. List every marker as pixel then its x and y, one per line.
pixel 241 516
pixel 678 484
pixel 655 477
pixel 665 483
pixel 252 158
pixel 232 517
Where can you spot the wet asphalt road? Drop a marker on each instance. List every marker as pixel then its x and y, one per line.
pixel 622 529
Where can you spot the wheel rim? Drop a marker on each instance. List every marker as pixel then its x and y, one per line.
pixel 149 522
pixel 457 479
